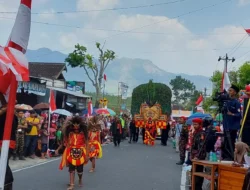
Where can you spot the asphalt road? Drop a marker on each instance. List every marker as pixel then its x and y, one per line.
pixel 128 167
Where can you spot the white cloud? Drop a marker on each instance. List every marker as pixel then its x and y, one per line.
pixel 191 53
pixel 244 2
pixel 47 15
pixel 68 40
pixel 95 5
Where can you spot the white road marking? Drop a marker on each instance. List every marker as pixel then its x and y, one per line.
pixel 25 168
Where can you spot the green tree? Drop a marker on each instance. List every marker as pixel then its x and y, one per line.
pixel 151 93
pixel 244 73
pixel 216 80
pixel 183 89
pixel 94 70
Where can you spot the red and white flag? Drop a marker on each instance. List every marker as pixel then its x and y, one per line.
pixel 199 104
pixel 90 108
pixel 52 102
pixel 12 56
pixel 225 83
pixel 199 101
pixel 247 31
pixel 13 68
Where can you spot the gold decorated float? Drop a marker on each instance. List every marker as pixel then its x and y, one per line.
pixel 150 118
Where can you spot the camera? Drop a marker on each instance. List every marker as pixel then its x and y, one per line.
pixel 221 96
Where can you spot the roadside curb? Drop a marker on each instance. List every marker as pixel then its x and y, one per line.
pixel 28 163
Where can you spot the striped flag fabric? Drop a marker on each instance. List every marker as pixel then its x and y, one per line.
pixel 247 31
pixel 13 68
pixel 90 108
pixel 52 102
pixel 225 84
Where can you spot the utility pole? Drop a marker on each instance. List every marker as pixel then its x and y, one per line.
pixel 205 93
pixel 226 59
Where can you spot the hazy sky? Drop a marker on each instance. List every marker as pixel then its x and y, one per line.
pixel 188 44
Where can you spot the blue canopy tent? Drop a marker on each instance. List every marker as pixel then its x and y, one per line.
pixel 197 115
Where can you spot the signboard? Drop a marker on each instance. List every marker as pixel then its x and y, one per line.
pixel 76 86
pixel 32 87
pixel 124 90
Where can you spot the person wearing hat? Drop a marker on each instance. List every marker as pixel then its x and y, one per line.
pixel 198 149
pixel 231 121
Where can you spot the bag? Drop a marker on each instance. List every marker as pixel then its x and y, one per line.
pixel 29 128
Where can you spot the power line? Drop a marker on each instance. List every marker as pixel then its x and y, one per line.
pixel 102 10
pixel 193 50
pixel 165 20
pixel 134 32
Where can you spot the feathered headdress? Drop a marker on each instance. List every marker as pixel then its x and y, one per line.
pixel 94 123
pixel 73 122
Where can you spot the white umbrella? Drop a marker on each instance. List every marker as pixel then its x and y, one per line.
pixel 62 112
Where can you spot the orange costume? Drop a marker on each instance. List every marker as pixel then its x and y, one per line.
pixel 75 152
pixel 95 149
pixel 150 133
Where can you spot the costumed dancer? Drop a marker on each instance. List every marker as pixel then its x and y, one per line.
pixel 76 149
pixel 150 132
pixel 198 149
pixel 95 148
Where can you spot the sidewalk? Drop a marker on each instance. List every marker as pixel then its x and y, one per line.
pixel 20 164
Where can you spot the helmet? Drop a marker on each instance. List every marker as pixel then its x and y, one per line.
pixel 207 121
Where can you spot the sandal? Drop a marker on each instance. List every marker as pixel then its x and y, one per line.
pixel 71 187
pixel 91 170
pixel 80 182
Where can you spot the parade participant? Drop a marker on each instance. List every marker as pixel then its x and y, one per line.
pixel 76 149
pixel 181 139
pixel 198 149
pixel 132 131
pixel 95 149
pixel 116 129
pixel 150 132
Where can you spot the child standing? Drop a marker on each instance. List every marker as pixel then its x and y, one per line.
pixel 44 139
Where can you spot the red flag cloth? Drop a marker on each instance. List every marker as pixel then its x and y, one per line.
pixel 105 77
pixel 199 101
pixel 52 102
pixel 90 108
pixel 247 31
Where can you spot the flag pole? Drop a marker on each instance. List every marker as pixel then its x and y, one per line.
pixel 49 118
pixel 7 130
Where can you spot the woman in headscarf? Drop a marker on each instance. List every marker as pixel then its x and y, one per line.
pixel 239 152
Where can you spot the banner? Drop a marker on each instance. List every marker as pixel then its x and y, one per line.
pixel 124 90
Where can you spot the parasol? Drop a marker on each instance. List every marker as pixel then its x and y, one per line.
pixel 102 111
pixel 41 106
pixel 111 112
pixel 23 107
pixel 62 112
pixel 197 115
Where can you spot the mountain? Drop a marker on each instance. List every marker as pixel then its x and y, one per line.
pixel 131 71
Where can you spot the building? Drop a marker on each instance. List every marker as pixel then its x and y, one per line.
pixel 43 78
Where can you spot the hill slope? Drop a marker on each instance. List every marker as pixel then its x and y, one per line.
pixel 131 71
